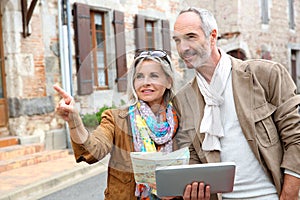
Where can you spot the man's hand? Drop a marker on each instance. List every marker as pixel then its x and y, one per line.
pixel 197 191
pixel 290 188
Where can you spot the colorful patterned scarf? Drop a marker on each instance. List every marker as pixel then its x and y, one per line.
pixel 150 135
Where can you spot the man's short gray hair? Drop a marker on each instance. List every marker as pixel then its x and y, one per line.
pixel 208 20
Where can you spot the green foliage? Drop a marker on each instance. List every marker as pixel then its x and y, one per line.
pixel 89 120
pixel 94 119
pixel 101 110
pixel 122 103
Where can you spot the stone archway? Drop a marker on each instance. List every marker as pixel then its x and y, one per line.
pixel 236 48
pixel 238 53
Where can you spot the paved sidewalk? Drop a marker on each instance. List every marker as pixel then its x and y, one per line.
pixel 36 181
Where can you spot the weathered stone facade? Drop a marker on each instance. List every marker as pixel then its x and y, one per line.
pixel 245 17
pixel 31 67
pixel 33 63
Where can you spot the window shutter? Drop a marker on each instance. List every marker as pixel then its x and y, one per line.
pixel 83 48
pixel 120 50
pixel 139 26
pixel 166 36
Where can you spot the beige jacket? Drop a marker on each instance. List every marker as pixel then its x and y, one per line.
pixel 267 108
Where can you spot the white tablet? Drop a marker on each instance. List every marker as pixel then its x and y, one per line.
pixel 172 180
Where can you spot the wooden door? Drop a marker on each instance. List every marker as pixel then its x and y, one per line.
pixel 3 97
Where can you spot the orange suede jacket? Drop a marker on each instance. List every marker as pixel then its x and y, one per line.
pixel 112 136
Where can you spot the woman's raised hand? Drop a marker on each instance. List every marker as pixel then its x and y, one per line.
pixel 66 106
pixel 67 110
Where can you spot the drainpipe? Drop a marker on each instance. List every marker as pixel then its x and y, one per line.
pixel 61 55
pixel 69 45
pixel 64 51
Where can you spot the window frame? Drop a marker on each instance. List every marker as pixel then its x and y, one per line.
pixel 93 32
pixel 161 33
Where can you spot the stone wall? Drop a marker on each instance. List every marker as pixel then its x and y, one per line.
pixel 32 67
pixel 245 17
pixel 32 64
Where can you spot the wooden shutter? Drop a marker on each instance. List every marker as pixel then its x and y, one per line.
pixel 166 39
pixel 120 50
pixel 83 48
pixel 139 26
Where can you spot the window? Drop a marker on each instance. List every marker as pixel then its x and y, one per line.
pixel 150 39
pixel 91 57
pixel 152 34
pixel 99 71
pixel 291 14
pixel 264 11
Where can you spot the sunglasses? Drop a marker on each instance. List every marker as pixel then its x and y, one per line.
pixel 155 53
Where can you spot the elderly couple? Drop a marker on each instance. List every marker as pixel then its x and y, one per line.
pixel 241 111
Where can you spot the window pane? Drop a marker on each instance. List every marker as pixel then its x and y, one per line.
pixel 149 34
pixel 100 59
pixel 92 61
pixel 100 67
pixel 100 40
pixel 148 27
pixel 149 41
pixel 98 22
pixel 101 77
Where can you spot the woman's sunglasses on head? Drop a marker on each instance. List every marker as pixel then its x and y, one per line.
pixel 153 53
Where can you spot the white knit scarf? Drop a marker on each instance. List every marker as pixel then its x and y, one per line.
pixel 211 124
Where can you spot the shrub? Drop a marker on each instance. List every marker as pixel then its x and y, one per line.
pixel 93 120
pixel 90 120
pixel 101 110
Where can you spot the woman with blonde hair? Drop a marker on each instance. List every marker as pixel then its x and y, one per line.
pixel 148 124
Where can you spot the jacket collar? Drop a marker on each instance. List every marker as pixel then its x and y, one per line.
pixel 242 85
pixel 123 112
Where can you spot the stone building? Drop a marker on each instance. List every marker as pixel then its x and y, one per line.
pixel 87 47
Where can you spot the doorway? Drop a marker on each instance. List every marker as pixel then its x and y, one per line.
pixel 3 96
pixel 238 53
pixel 295 67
